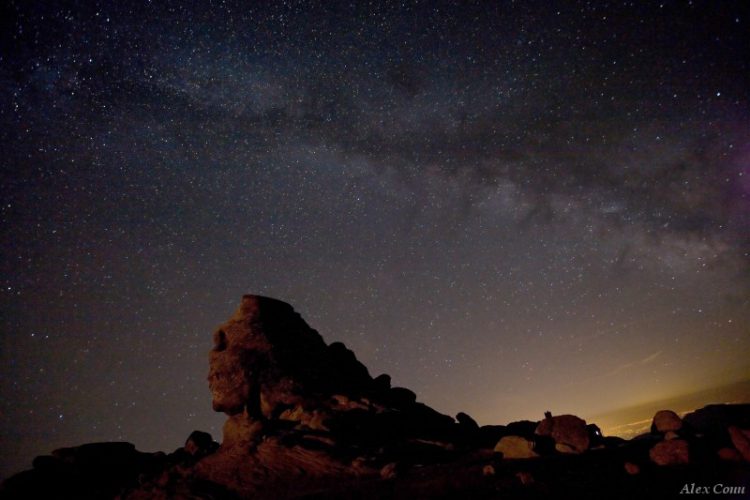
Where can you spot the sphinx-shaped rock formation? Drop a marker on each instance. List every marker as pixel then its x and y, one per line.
pixel 303 411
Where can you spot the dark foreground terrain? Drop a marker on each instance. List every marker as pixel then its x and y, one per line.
pixel 306 420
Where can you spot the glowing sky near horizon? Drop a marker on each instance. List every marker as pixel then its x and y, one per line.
pixel 509 209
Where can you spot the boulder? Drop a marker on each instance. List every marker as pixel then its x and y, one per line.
pixel 513 447
pixel 632 468
pixel 596 438
pixel 199 444
pixel 729 454
pixel 741 440
pixel 568 431
pixel 523 428
pixel 715 419
pixel 468 434
pixel 382 382
pixel 665 421
pixel 400 397
pixel 673 452
pixel 466 421
pixel 389 471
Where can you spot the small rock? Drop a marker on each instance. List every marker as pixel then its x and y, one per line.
pixel 672 452
pixel 665 421
pixel 730 455
pixel 516 447
pixel 359 463
pixel 632 468
pixel 525 477
pixel 740 440
pixel 488 470
pixel 389 471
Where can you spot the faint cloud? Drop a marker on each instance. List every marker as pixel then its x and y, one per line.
pixel 648 359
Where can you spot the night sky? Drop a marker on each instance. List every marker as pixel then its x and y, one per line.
pixel 508 207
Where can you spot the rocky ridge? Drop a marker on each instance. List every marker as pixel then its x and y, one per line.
pixel 305 419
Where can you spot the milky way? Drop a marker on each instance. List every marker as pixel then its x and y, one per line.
pixel 509 209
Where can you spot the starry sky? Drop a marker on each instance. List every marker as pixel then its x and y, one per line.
pixel 510 207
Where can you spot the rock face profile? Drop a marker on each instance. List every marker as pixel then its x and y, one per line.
pixel 301 412
pixel 305 419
